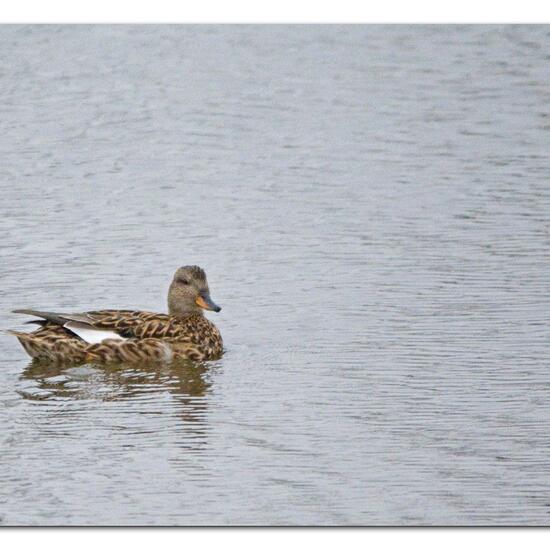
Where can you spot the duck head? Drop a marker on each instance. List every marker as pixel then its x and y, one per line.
pixel 189 293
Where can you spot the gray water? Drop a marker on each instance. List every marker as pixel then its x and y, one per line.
pixel 372 207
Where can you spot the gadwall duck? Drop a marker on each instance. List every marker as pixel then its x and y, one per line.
pixel 126 336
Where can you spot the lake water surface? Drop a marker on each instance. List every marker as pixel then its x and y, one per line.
pixel 372 207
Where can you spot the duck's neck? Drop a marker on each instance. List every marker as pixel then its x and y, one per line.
pixel 177 310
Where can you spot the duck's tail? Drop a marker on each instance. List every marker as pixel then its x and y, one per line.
pixel 51 347
pixel 56 318
pixel 30 344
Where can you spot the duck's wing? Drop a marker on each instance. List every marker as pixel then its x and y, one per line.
pixel 138 324
pixel 96 326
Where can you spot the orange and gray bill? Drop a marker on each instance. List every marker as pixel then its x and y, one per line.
pixel 203 300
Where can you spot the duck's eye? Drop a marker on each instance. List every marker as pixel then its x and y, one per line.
pixel 183 281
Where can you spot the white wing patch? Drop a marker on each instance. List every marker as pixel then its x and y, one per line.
pixel 90 334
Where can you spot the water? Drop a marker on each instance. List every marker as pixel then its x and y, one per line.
pixel 372 208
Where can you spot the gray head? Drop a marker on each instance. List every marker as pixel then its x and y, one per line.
pixel 189 293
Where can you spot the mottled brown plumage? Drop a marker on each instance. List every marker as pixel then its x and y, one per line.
pixel 127 336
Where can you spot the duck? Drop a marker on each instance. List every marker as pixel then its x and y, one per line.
pixel 129 336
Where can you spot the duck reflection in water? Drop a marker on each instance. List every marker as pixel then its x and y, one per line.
pixel 186 381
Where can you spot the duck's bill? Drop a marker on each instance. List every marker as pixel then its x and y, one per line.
pixel 203 300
